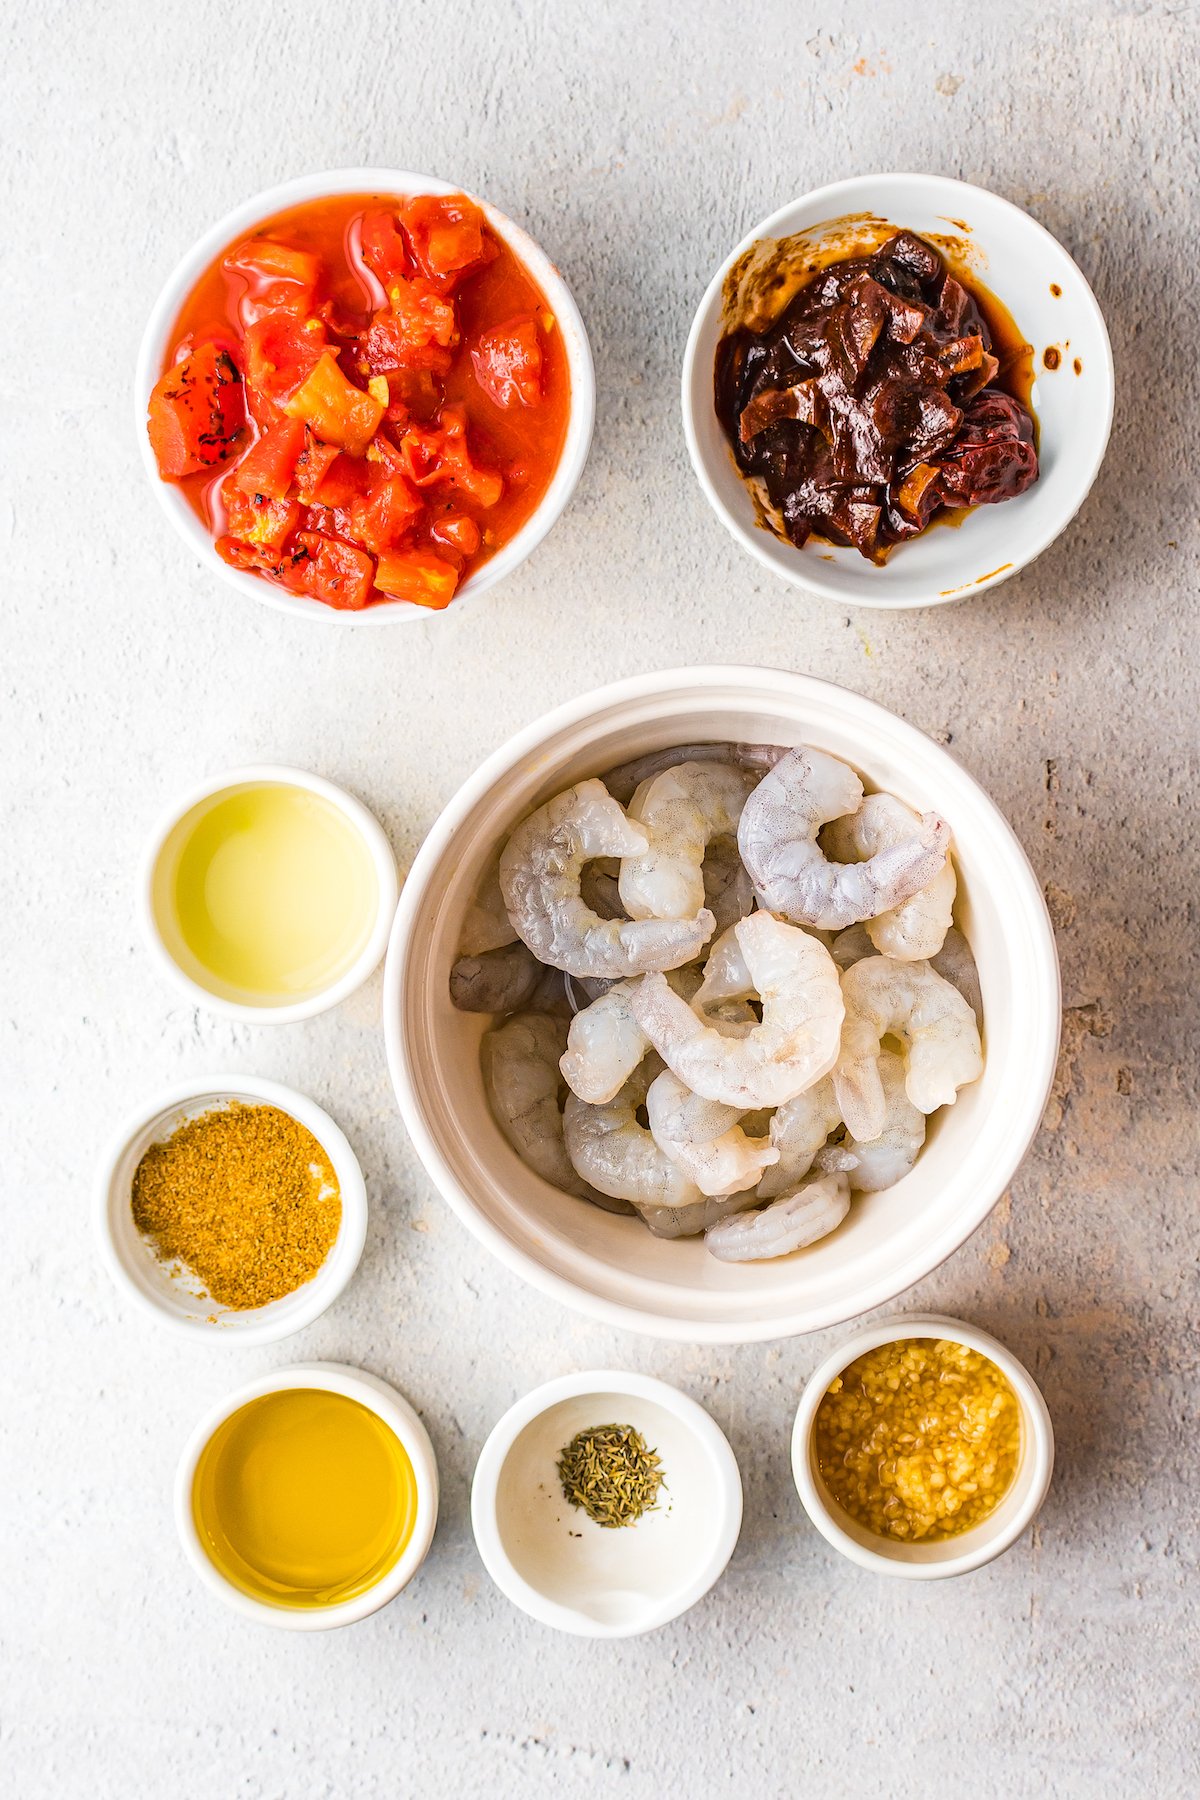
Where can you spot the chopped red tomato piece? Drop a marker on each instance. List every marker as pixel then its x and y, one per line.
pixel 447 236
pixel 269 465
pixel 385 515
pixel 417 575
pixel 279 276
pixel 281 352
pixel 344 481
pixel 419 320
pixel 384 250
pixel 460 534
pixel 332 571
pixel 338 412
pixel 253 519
pixel 197 412
pixel 312 465
pixel 508 362
pixel 255 558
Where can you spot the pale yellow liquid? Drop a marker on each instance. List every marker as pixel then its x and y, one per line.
pixel 304 1498
pixel 265 894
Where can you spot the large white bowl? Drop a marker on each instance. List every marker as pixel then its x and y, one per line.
pixel 612 1267
pixel 157 342
pixel 1044 290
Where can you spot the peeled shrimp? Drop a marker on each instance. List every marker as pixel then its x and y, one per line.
pixel 816 1208
pixel 916 929
pixel 886 1159
pixel 726 976
pixel 955 963
pixel 777 838
pixel 851 945
pixel 704 1139
pixel 909 1001
pixel 690 1221
pixel 798 1132
pixel 610 1150
pixel 623 781
pixel 496 981
pixel 520 1073
pixel 605 1043
pixel 795 1043
pixel 681 811
pixel 487 925
pixel 540 871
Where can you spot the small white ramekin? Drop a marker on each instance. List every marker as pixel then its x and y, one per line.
pixel 387 881
pixel 553 1561
pixel 146 1281
pixel 948 1556
pixel 157 342
pixel 1048 296
pixel 380 1398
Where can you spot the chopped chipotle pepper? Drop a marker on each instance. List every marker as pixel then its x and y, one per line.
pixel 368 397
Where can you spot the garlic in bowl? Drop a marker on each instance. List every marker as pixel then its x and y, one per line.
pixel 608 1264
pixel 885 406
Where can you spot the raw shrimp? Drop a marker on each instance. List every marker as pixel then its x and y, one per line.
pixel 539 877
pixel 610 1150
pixel 916 929
pixel 681 811
pixel 851 945
pixel 886 1159
pixel 690 1221
pixel 936 1026
pixel 704 1138
pixel 497 981
pixel 816 1208
pixel 623 781
pixel 796 1041
pixel 798 1132
pixel 605 1043
pixel 777 838
pixel 520 1073
pixel 728 890
pixel 726 976
pixel 487 925
pixel 955 963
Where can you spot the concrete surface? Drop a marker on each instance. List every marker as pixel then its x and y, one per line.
pixel 637 142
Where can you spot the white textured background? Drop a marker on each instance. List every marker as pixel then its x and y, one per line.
pixel 637 143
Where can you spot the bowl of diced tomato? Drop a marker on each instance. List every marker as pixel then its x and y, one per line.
pixel 365 393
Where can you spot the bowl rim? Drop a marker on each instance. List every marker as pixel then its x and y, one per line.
pixel 341 1262
pixel 799 571
pixel 388 1404
pixel 324 184
pixel 525 744
pixel 485 1486
pixel 383 859
pixel 1036 1426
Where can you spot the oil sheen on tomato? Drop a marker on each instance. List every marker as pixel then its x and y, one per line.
pixel 265 893
pixel 523 443
pixel 304 1498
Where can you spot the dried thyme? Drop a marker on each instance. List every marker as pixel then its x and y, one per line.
pixel 609 1472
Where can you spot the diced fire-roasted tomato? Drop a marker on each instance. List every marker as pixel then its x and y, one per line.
pixel 385 515
pixel 448 237
pixel 281 352
pixel 508 363
pixel 333 571
pixel 417 575
pixel 338 412
pixel 253 519
pixel 197 412
pixel 384 250
pixel 269 465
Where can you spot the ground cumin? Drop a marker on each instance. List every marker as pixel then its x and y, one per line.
pixel 243 1199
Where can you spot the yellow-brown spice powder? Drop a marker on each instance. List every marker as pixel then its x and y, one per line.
pixel 919 1440
pixel 243 1199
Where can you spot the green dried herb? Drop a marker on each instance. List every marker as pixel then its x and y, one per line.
pixel 609 1472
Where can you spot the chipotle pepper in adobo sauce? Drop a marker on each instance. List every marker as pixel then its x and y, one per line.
pixel 875 401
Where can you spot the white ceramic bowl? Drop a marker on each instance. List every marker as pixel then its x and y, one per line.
pixel 612 1267
pixel 158 341
pixel 1022 264
pixel 553 1561
pixel 950 1556
pixel 380 1398
pixel 154 874
pixel 144 1280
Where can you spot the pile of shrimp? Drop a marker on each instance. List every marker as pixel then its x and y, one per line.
pixel 730 992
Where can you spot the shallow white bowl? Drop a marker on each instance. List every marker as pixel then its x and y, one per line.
pixel 132 1262
pixel 951 1556
pixel 380 1398
pixel 1020 262
pixel 612 1267
pixel 158 341
pixel 560 1567
pixel 387 887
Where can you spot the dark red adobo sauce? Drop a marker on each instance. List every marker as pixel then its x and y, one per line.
pixel 879 398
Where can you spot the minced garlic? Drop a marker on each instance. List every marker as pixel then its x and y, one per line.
pixel 919 1439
